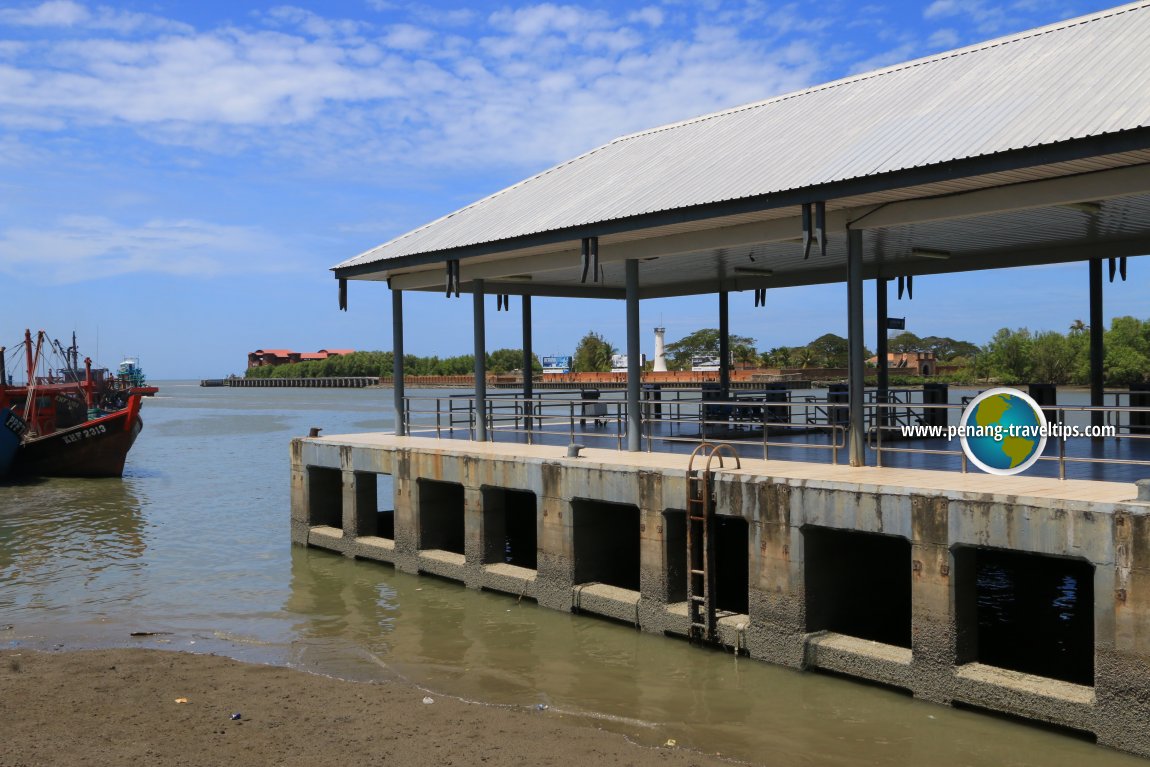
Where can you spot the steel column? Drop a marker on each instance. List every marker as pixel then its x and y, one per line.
pixel 480 362
pixel 724 345
pixel 880 285
pixel 397 363
pixel 857 426
pixel 634 363
pixel 1097 353
pixel 528 357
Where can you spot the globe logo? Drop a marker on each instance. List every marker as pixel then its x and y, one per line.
pixel 1003 431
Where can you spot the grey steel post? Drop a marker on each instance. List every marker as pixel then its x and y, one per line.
pixel 480 363
pixel 857 442
pixel 881 348
pixel 1097 352
pixel 528 358
pixel 397 363
pixel 724 347
pixel 634 367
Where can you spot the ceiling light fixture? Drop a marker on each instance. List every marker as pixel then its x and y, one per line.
pixel 934 255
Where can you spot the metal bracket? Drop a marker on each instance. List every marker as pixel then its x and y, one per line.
pixel 816 233
pixel 1120 264
pixel 760 296
pixel 502 302
pixel 906 282
pixel 453 277
pixel 343 295
pixel 590 258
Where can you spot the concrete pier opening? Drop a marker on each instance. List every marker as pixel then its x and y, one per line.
pixel 510 527
pixel 1025 612
pixel 858 584
pixel 441 515
pixel 731 565
pixel 375 504
pixel 606 543
pixel 325 497
pixel 675 554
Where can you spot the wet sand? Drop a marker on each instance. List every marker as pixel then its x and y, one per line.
pixel 117 707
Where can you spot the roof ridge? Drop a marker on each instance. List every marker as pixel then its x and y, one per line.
pixel 902 65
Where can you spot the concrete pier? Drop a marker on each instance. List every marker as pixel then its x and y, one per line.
pixel 1021 595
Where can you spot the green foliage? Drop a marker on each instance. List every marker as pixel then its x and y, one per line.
pixel 1010 355
pixel 1052 358
pixel 828 351
pixel 375 364
pixel 945 349
pixel 592 355
pixel 701 343
pixel 1127 351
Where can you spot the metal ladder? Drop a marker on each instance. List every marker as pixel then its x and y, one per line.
pixel 701 542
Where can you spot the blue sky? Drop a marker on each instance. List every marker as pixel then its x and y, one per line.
pixel 177 178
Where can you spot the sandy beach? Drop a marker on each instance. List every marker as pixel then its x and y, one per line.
pixel 132 706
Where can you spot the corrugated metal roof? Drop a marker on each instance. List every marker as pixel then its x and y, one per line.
pixel 1077 79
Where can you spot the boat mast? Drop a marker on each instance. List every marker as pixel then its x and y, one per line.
pixel 28 355
pixel 88 383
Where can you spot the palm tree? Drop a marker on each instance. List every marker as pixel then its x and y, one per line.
pixel 1078 326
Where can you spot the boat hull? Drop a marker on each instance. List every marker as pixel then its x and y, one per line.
pixel 11 429
pixel 96 448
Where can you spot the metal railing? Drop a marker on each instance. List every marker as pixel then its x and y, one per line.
pixel 1127 423
pixel 767 422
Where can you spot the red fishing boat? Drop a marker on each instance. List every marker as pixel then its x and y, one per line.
pixel 78 422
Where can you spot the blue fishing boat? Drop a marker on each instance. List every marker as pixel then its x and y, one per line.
pixel 11 430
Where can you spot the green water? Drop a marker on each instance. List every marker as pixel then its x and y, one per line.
pixel 193 541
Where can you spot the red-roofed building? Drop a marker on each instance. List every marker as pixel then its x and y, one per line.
pixel 264 357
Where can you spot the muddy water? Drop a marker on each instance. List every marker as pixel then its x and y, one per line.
pixel 193 542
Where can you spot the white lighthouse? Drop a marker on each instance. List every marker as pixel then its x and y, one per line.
pixel 660 355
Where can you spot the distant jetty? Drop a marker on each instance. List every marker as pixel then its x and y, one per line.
pixel 741 380
pixel 333 382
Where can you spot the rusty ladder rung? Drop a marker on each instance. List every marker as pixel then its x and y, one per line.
pixel 700 543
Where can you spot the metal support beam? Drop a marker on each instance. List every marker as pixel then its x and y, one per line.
pixel 528 359
pixel 724 346
pixel 397 363
pixel 856 442
pixel 480 363
pixel 880 285
pixel 1097 353
pixel 634 359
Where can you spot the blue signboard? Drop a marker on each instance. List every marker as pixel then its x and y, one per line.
pixel 557 364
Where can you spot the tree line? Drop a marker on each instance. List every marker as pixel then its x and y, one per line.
pixel 377 364
pixel 1010 356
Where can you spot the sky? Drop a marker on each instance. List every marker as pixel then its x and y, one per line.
pixel 178 178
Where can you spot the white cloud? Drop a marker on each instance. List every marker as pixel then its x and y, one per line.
pixel 529 86
pixel 650 15
pixel 72 15
pixel 943 39
pixel 79 248
pixel 407 37
pixel 55 13
pixel 988 18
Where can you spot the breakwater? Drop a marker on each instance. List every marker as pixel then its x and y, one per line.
pixel 1016 595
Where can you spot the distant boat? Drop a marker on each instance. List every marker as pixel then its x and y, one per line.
pixel 77 423
pixel 132 379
